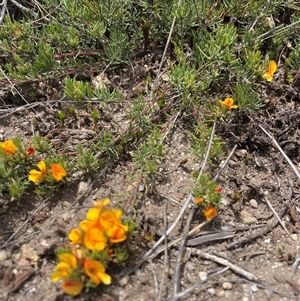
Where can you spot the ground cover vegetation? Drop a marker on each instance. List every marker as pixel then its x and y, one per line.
pixel 203 62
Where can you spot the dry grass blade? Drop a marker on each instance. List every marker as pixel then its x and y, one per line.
pixel 162 281
pixel 234 267
pixel 24 223
pixel 282 152
pixel 210 237
pixel 2 13
pixel 190 289
pixel 275 213
pixel 225 163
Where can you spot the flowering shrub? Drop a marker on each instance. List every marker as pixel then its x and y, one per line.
pixel 102 239
pixel 207 196
pixel 17 161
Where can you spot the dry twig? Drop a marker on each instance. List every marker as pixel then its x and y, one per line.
pixel 224 261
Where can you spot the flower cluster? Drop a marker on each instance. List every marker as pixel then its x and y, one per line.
pixel 37 176
pixel 101 238
pixel 17 159
pixel 207 196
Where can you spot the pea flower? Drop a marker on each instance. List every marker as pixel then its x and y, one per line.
pixel 95 270
pixel 30 151
pixel 8 146
pixel 228 103
pixel 210 212
pixel 198 200
pixel 94 237
pixel 73 288
pixel 75 237
pixel 67 264
pixel 66 270
pixel 58 172
pixel 113 228
pixel 36 176
pixel 270 72
pixel 218 189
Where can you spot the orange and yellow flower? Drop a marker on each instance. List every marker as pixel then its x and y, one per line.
pixel 36 176
pixel 111 223
pixel 198 200
pixel 8 146
pixel 66 266
pixel 272 68
pixel 65 271
pixel 95 270
pixel 94 236
pixel 58 172
pixel 75 237
pixel 73 288
pixel 228 103
pixel 210 212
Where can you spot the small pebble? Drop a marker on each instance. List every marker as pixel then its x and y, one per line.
pixel 294 237
pixel 211 291
pixel 3 255
pixel 82 187
pixel 138 272
pixel 171 272
pixel 202 275
pixel 66 216
pixel 190 278
pixel 254 288
pixel 29 253
pixel 44 242
pixel 253 203
pixel 224 201
pixel 227 286
pixel 189 266
pixel 124 281
pixel 220 293
pixel 247 217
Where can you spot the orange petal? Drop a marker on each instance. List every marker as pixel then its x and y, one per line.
pixel 58 172
pixel 210 212
pixel 272 68
pixel 42 166
pixel 198 200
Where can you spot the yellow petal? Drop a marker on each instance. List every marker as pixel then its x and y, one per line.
pixel 42 166
pixel 35 176
pixel 73 288
pixel 272 68
pixel 95 270
pixel 102 203
pixel 93 214
pixel 267 76
pixel 75 236
pixel 69 259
